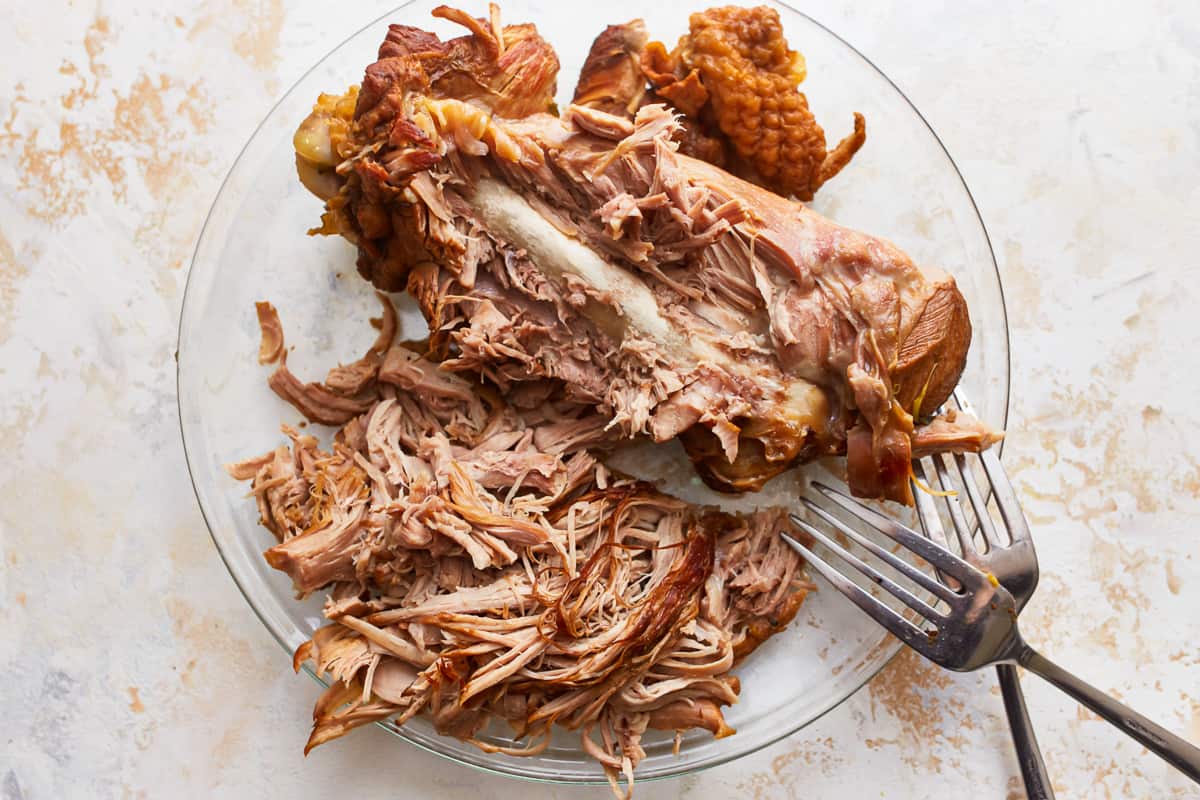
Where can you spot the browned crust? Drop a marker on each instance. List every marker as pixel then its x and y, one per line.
pixel 933 355
pixel 764 628
pixel 611 79
pixel 682 715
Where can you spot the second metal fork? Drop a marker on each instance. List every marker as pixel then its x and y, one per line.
pixel 975 624
pixel 1015 566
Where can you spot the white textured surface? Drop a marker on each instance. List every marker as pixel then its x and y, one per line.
pixel 134 668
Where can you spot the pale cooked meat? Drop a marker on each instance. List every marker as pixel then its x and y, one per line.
pixel 350 379
pixel 952 431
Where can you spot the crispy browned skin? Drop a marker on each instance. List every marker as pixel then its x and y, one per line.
pixel 611 79
pixel 751 76
pixel 686 93
pixel 508 69
pixel 734 80
pixel 932 358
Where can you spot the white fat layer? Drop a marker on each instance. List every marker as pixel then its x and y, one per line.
pixel 556 254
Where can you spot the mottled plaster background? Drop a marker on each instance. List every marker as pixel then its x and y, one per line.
pixel 134 668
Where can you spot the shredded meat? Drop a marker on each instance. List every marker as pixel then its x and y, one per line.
pixel 953 431
pixel 270 349
pixel 314 400
pixel 670 296
pixel 348 389
pixel 481 569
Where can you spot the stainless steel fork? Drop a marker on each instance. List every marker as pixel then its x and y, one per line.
pixel 1015 566
pixel 974 624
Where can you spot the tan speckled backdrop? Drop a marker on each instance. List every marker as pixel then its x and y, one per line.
pixel 132 666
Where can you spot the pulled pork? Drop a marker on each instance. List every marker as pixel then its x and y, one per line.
pixel 482 566
pixel 674 298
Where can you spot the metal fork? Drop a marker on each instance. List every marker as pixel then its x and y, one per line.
pixel 978 627
pixel 1015 566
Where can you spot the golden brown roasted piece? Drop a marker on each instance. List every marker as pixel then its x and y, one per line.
pixel 611 79
pixel 752 78
pixel 735 80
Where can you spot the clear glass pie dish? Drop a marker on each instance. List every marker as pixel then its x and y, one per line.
pixel 902 185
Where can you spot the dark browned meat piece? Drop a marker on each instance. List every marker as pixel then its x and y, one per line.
pixel 611 79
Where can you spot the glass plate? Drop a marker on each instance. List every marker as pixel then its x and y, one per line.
pixel 902 185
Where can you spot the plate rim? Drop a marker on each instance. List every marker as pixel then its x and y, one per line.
pixel 890 642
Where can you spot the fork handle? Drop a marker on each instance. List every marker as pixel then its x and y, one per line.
pixel 1033 768
pixel 1175 750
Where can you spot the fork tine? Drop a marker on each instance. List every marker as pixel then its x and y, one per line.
pixel 961 529
pixel 941 558
pixel 897 563
pixel 900 627
pixel 960 399
pixel 927 512
pixel 1002 490
pixel 1006 498
pixel 931 521
pixel 877 577
pixel 986 526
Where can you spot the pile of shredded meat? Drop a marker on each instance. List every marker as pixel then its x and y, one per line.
pixel 482 565
pixel 674 298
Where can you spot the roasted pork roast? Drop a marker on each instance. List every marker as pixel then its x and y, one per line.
pixel 675 298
